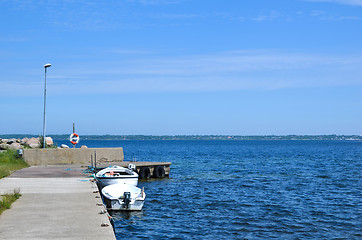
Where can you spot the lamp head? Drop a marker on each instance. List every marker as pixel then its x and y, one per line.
pixel 47 65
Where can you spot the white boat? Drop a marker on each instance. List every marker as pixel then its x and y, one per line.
pixel 116 174
pixel 122 196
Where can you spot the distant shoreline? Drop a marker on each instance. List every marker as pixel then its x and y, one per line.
pixel 193 137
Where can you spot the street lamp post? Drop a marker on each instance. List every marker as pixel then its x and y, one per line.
pixel 45 95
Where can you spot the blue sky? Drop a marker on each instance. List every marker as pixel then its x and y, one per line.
pixel 175 67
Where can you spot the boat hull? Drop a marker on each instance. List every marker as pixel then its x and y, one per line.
pixel 103 182
pixel 118 205
pixel 123 197
pixel 116 175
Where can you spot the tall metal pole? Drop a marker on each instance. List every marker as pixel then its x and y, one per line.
pixel 45 94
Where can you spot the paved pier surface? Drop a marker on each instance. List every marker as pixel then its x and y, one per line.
pixel 57 202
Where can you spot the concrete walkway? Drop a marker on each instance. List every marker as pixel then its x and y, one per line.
pixel 57 202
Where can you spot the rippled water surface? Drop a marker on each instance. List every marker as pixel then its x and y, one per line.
pixel 247 190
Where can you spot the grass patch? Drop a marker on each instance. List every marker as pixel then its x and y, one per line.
pixel 10 162
pixel 7 199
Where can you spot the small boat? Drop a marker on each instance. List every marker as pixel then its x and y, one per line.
pixel 116 174
pixel 122 196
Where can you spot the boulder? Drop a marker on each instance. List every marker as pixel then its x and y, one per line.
pixel 83 146
pixel 15 146
pixel 49 141
pixel 11 140
pixel 64 146
pixel 4 146
pixel 33 143
pixel 24 141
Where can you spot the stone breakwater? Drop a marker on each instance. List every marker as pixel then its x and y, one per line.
pixel 14 143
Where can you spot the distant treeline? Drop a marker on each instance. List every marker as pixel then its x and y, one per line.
pixel 193 137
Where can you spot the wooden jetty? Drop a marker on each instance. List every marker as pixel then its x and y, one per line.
pixel 145 170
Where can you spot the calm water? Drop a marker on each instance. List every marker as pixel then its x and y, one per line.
pixel 247 190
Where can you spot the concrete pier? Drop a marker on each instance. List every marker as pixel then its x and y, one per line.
pixel 57 202
pixel 51 156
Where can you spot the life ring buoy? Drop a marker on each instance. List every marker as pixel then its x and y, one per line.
pixel 144 173
pixel 159 172
pixel 74 138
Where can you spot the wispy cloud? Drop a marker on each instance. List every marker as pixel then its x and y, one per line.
pixel 321 15
pixel 175 15
pixel 95 16
pixel 130 51
pixel 317 13
pixel 226 71
pixel 13 39
pixel 155 2
pixel 341 18
pixel 267 17
pixel 346 2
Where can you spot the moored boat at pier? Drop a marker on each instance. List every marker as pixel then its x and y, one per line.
pixel 122 196
pixel 116 174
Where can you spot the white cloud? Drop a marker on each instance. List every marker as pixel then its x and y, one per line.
pixel 130 52
pixel 341 18
pixel 13 39
pixel 227 71
pixel 267 17
pixel 155 2
pixel 174 16
pixel 316 13
pixel 347 2
pixel 321 15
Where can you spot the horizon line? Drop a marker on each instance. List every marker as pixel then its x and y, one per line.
pixel 169 135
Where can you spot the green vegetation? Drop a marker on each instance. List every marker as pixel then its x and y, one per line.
pixel 7 199
pixel 41 140
pixel 9 162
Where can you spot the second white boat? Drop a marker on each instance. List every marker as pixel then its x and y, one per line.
pixel 123 197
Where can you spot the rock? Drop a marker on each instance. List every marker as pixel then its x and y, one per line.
pixel 4 146
pixel 33 143
pixel 83 146
pixel 11 140
pixel 15 146
pixel 64 146
pixel 24 141
pixel 49 141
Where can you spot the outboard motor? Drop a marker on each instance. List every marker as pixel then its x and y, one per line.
pixel 126 199
pixel 132 167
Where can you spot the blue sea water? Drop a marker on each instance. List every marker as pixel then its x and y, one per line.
pixel 247 190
